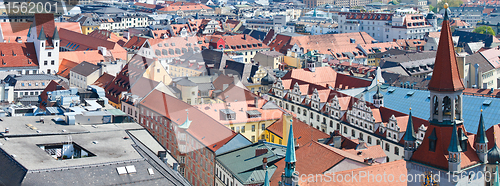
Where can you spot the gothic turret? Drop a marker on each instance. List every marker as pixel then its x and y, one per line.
pixel 410 140
pixel 287 178
pixel 481 142
pixel 378 98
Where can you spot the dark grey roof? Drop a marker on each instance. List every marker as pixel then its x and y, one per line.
pixel 184 82
pixel 12 79
pixel 468 37
pixel 477 58
pixel 85 68
pixel 494 155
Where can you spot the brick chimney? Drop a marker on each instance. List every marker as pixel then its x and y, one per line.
pixel 259 152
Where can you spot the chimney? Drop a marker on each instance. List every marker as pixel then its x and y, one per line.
pixel 244 36
pixel 337 142
pixel 287 120
pixel 256 101
pixel 264 163
pixel 236 79
pixel 259 152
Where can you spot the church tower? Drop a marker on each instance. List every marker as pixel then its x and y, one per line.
pixel 410 139
pixel 446 86
pixel 45 38
pixel 481 142
pixel 378 98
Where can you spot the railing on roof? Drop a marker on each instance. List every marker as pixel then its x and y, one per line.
pixel 481 95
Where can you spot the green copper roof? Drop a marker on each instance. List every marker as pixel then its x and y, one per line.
pixel 454 144
pixel 186 123
pixel 266 180
pixel 290 147
pixel 41 35
pixel 410 133
pixel 56 35
pixel 481 134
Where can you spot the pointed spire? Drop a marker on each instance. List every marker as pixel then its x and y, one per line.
pixel 379 95
pixel 55 36
pixel 454 144
pixel 290 147
pixel 41 35
pixel 448 78
pixel 481 134
pixel 410 133
pixel 266 180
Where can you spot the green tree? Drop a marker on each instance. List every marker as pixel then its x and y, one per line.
pixel 432 8
pixel 451 3
pixel 484 30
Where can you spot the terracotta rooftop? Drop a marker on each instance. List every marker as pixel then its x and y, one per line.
pixel 395 168
pixel 104 80
pixel 65 67
pixel 439 157
pixel 446 63
pixel 315 158
pixel 18 55
pixel 202 125
pixel 302 131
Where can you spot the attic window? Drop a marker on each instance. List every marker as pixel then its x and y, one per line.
pixel 166 44
pixel 391 90
pixel 172 44
pixel 159 45
pixel 260 44
pixel 253 114
pixel 410 93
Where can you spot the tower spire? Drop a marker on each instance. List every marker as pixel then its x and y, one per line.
pixel 481 133
pixel 410 132
pixel 287 177
pixel 55 36
pixel 481 141
pixel 410 139
pixel 41 35
pixel 454 144
pixel 448 79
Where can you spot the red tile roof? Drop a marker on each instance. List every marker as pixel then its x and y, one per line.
pixel 202 126
pixel 374 152
pixel 65 66
pixel 302 131
pixel 135 42
pixel 12 30
pixel 108 35
pixel 395 168
pixel 314 158
pixel 240 42
pixel 320 42
pixel 234 92
pixel 104 80
pixel 367 16
pixel 18 55
pixel 46 21
pixel 127 77
pixel 458 23
pixel 81 42
pixel 446 63
pixel 491 134
pixel 184 6
pixel 439 158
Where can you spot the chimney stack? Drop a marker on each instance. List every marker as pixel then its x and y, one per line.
pixel 256 101
pixel 264 163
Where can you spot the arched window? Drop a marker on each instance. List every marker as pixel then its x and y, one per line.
pixel 446 106
pixel 436 105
